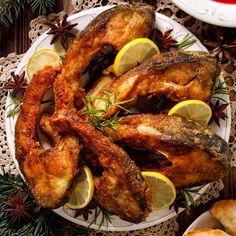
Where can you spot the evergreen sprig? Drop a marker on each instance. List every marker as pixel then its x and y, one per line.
pixel 44 221
pixel 41 5
pixel 10 10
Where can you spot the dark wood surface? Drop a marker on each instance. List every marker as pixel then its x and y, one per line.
pixel 15 39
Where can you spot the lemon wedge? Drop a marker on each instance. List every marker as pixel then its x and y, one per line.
pixel 163 192
pixel 40 59
pixel 134 53
pixel 195 110
pixel 83 190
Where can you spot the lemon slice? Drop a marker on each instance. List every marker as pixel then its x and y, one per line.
pixel 163 192
pixel 40 59
pixel 134 53
pixel 195 110
pixel 83 190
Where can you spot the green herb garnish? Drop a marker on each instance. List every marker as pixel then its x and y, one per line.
pixel 186 41
pixel 99 118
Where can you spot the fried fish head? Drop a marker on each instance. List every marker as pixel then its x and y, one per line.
pixel 225 212
pixel 207 232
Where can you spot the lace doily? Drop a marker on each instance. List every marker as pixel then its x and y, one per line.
pixel 9 64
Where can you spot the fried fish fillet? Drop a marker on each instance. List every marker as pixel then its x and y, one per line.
pixel 50 173
pixel 121 188
pixel 115 27
pixel 179 75
pixel 197 155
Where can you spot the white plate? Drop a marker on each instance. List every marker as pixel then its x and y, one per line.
pixel 210 11
pixel 83 18
pixel 205 220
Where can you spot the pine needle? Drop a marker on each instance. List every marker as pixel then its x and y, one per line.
pixel 45 222
pixel 41 5
pixel 10 10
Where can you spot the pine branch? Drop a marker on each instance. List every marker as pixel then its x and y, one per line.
pixel 10 10
pixel 41 5
pixel 44 221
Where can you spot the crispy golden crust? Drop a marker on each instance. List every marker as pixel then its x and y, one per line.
pixel 49 173
pixel 207 232
pixel 197 154
pixel 26 136
pixel 225 212
pixel 121 189
pixel 115 27
pixel 178 75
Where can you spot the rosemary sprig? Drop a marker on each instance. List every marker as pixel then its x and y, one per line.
pixel 106 218
pixel 185 198
pixel 220 87
pixel 98 117
pixel 186 41
pixel 15 105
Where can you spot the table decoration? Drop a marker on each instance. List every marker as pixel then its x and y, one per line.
pixel 9 64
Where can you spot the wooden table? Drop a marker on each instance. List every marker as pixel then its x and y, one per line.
pixel 15 39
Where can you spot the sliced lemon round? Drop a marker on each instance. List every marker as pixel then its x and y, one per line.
pixel 83 190
pixel 195 110
pixel 40 59
pixel 134 53
pixel 163 192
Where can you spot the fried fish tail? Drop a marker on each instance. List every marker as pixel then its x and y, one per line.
pixel 121 188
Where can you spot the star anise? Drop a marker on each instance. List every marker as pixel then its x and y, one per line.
pixel 164 41
pixel 218 112
pixel 61 31
pixel 18 85
pixel 86 211
pixel 19 208
pixel 221 43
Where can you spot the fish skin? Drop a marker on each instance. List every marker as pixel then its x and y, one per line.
pixel 197 154
pixel 48 173
pixel 121 188
pixel 179 75
pixel 115 27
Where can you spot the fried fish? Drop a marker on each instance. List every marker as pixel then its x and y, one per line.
pixel 50 173
pixel 196 155
pixel 178 75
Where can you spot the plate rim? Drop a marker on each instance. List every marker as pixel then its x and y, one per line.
pixel 210 19
pixel 20 67
pixel 204 216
